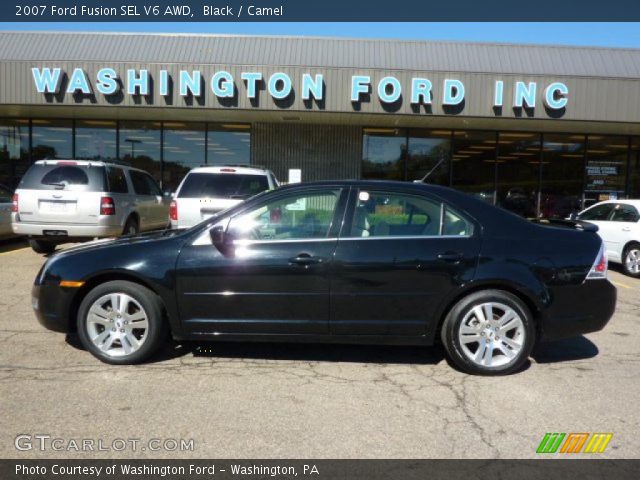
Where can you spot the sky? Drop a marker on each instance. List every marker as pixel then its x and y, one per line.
pixel 590 34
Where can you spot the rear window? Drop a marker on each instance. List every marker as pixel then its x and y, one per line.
pixel 64 177
pixel 222 185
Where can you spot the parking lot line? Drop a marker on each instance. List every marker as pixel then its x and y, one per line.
pixel 618 284
pixel 14 251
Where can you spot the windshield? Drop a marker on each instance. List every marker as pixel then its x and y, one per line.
pixel 222 185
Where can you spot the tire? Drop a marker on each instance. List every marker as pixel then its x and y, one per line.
pixel 111 336
pixel 131 227
pixel 42 246
pixel 631 260
pixel 483 348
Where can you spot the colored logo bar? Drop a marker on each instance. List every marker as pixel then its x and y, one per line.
pixel 574 443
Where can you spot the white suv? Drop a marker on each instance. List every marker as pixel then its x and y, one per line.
pixel 70 200
pixel 205 191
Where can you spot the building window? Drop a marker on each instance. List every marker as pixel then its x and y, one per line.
pixel 183 149
pixel 14 151
pixel 51 139
pixel 140 146
pixel 606 169
pixel 518 172
pixel 474 163
pixel 228 144
pixel 562 175
pixel 384 152
pixel 96 140
pixel 428 153
pixel 634 169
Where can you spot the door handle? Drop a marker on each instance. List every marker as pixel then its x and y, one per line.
pixel 452 257
pixel 626 229
pixel 305 259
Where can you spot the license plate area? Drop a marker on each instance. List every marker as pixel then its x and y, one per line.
pixel 57 206
pixel 55 233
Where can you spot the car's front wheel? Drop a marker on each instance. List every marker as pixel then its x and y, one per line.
pixel 490 332
pixel 631 260
pixel 121 322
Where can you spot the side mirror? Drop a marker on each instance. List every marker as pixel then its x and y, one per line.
pixel 573 216
pixel 218 236
pixel 167 192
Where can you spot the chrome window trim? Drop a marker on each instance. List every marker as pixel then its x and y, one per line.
pixel 407 237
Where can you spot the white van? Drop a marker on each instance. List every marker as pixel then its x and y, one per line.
pixel 205 191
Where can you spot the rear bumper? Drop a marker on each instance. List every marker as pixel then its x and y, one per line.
pixel 579 309
pixel 73 230
pixel 51 306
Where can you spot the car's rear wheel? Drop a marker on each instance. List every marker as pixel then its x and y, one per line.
pixel 490 332
pixel 631 260
pixel 42 246
pixel 121 322
pixel 131 227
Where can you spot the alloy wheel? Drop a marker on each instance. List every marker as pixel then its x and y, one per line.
pixel 491 334
pixel 632 261
pixel 117 324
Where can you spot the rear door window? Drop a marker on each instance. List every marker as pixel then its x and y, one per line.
pixel 64 177
pixel 117 180
pixel 222 185
pixel 625 213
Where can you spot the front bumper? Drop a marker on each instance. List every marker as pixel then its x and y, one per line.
pixel 579 309
pixel 51 305
pixel 73 231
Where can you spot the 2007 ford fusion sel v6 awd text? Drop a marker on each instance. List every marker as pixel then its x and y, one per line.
pixel 344 261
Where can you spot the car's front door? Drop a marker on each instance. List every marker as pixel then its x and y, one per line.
pixel 270 274
pixel 600 215
pixel 623 227
pixel 403 255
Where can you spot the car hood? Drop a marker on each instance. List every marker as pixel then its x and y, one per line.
pixel 119 241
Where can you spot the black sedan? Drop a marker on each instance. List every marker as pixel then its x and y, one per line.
pixel 343 261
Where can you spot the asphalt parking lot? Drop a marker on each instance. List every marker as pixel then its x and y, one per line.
pixel 310 401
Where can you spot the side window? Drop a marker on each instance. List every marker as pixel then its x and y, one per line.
pixel 117 180
pixel 454 224
pixel 153 186
pixel 5 195
pixel 140 183
pixel 302 216
pixel 381 214
pixel 597 213
pixel 625 213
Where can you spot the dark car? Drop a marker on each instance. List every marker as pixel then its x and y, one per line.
pixel 344 261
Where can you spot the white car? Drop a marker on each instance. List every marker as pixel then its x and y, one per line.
pixel 6 196
pixel 59 201
pixel 618 224
pixel 205 191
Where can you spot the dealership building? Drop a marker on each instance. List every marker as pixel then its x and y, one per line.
pixel 541 130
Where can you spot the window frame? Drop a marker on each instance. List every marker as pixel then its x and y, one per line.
pixel 625 205
pixel 336 224
pixel 444 205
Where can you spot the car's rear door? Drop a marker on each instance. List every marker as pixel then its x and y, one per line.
pixel 399 256
pixel 623 227
pixel 5 211
pixel 273 276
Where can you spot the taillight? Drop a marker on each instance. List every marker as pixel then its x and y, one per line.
pixel 173 210
pixel 14 203
pixel 107 206
pixel 600 266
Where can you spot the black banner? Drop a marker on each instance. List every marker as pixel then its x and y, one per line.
pixel 318 11
pixel 579 469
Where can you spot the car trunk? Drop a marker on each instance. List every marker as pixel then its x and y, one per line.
pixel 61 193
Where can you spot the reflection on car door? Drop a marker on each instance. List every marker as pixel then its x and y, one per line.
pixel 272 275
pixel 402 254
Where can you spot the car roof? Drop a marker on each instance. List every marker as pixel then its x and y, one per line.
pixel 86 163
pixel 249 170
pixel 628 201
